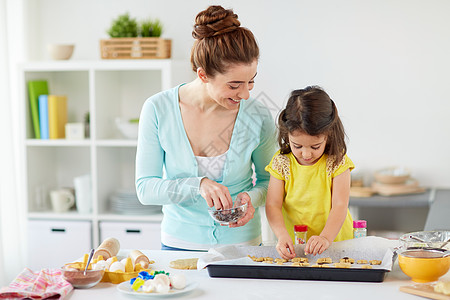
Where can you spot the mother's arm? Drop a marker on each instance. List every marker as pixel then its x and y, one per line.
pixel 151 188
pixel 261 158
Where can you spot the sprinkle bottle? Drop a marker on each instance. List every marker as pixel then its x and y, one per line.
pixel 359 228
pixel 300 232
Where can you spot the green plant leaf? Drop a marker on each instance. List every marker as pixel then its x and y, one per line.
pixel 151 28
pixel 123 26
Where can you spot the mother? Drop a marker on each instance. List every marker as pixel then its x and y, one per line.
pixel 207 134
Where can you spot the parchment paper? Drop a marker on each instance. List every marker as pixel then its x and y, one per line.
pixel 368 248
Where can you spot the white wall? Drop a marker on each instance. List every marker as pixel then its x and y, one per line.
pixel 384 62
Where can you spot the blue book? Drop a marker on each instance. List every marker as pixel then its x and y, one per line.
pixel 43 117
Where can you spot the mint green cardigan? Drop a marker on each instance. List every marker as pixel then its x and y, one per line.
pixel 163 144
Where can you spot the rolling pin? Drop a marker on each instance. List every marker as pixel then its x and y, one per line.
pixel 137 257
pixel 108 248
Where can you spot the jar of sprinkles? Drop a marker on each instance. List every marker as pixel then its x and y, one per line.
pixel 359 228
pixel 300 232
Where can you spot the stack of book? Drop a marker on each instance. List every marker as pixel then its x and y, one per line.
pixel 48 112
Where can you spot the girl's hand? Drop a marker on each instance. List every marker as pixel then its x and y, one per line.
pixel 316 245
pixel 285 247
pixel 215 194
pixel 244 198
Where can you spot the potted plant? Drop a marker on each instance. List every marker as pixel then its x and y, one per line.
pixel 130 39
pixel 151 28
pixel 123 26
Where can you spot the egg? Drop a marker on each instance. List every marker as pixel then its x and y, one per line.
pixel 100 264
pixel 178 281
pixel 117 266
pixel 108 262
pixel 124 262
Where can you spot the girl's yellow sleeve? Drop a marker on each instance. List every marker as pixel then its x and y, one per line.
pixel 274 167
pixel 345 164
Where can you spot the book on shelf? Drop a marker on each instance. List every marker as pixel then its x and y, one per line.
pixel 43 116
pixel 57 116
pixel 35 89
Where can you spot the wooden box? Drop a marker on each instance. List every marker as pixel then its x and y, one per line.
pixel 135 48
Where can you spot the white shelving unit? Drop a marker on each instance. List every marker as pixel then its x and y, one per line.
pixel 105 89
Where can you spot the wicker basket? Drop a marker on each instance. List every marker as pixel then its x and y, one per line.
pixel 135 48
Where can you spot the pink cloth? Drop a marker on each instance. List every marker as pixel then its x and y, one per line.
pixel 37 285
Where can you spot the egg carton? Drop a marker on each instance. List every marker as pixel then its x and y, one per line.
pixel 119 276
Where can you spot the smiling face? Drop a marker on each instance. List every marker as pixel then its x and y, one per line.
pixel 228 89
pixel 307 149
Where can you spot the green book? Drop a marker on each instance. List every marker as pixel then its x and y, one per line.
pixel 35 89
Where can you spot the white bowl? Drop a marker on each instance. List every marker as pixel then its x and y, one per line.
pixel 60 51
pixel 128 129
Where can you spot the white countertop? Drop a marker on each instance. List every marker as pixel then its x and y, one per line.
pixel 236 288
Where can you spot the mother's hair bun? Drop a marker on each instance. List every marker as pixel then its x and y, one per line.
pixel 213 21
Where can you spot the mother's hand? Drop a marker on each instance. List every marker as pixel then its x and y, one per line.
pixel 215 194
pixel 244 198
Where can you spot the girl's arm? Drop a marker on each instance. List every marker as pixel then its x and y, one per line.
pixel 340 194
pixel 274 203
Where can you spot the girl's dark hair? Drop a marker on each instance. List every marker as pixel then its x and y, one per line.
pixel 221 41
pixel 311 110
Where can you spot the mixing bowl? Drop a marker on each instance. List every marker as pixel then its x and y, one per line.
pixel 226 216
pixel 77 278
pixel 424 265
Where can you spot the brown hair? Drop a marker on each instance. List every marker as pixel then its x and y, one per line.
pixel 221 41
pixel 311 110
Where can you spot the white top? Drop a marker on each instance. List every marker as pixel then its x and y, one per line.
pixel 211 166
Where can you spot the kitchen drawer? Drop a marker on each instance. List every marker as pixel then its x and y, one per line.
pixel 133 235
pixel 51 244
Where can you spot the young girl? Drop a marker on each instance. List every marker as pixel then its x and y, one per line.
pixel 310 174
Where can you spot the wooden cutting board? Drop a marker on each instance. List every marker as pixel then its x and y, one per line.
pixel 424 290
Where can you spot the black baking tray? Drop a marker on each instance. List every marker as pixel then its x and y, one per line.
pixel 296 273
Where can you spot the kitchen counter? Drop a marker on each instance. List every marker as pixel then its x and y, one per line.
pixel 402 213
pixel 410 200
pixel 235 288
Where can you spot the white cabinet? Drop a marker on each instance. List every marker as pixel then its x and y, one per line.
pixel 133 235
pixel 107 90
pixel 51 244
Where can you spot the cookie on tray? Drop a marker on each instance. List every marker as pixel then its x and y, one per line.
pixel 300 259
pixel 324 260
pixel 320 266
pixel 375 262
pixel 300 264
pixel 347 260
pixel 343 265
pixel 362 261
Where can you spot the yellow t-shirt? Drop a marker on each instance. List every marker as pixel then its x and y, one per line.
pixel 307 192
